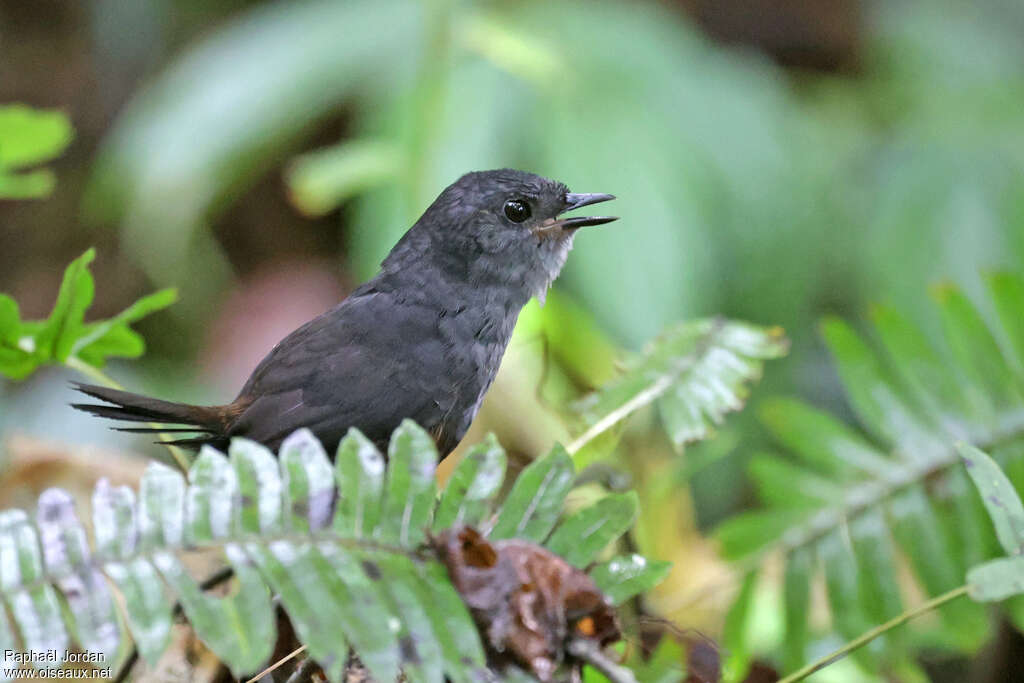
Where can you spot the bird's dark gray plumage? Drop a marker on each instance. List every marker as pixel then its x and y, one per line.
pixel 423 339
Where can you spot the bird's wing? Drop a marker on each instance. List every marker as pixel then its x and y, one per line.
pixel 351 367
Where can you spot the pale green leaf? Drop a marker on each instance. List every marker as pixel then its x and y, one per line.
pixel 629 575
pixel 308 483
pixel 67 558
pixel 532 507
pixel 996 579
pixel 472 485
pixel 1001 500
pixel 410 488
pixel 696 372
pixel 581 537
pixel 147 604
pixel 32 603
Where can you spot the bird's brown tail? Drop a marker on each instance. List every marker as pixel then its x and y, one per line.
pixel 207 421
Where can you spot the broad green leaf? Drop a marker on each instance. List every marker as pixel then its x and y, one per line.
pixel 359 474
pixel 627 576
pixel 581 537
pixel 532 507
pixel 996 579
pixel 472 485
pixel 1010 457
pixel 914 401
pixel 410 487
pixel 239 628
pixel 1001 500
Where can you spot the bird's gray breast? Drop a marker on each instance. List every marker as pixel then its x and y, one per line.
pixel 474 339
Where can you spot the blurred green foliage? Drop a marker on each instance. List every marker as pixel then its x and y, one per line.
pixel 64 337
pixel 29 137
pixel 744 192
pixel 695 373
pixel 851 503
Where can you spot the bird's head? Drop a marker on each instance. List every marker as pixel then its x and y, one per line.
pixel 501 228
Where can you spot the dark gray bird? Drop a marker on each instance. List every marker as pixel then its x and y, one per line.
pixel 423 339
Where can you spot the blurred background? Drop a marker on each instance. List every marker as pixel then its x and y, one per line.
pixel 775 160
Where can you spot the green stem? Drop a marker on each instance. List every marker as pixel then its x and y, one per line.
pixel 100 377
pixel 868 636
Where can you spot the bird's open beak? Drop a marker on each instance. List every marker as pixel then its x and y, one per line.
pixel 574 201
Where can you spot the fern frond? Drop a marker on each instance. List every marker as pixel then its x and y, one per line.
pixel 695 373
pixel 342 547
pixel 852 503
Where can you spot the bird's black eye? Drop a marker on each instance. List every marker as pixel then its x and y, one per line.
pixel 516 210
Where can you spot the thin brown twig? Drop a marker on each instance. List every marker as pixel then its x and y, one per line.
pixel 288 657
pixel 870 635
pixel 591 653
